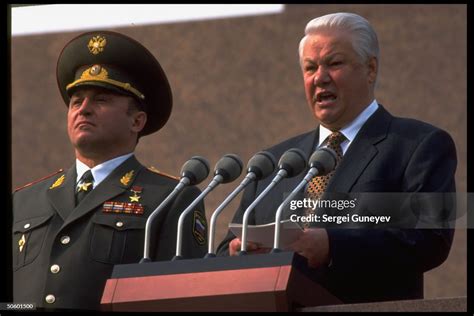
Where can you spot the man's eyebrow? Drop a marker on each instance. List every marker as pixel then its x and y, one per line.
pixel 332 56
pixel 308 60
pixel 335 54
pixel 76 95
pixel 326 57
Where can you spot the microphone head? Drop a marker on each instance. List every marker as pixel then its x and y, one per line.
pixel 195 169
pixel 293 161
pixel 262 164
pixel 229 167
pixel 324 159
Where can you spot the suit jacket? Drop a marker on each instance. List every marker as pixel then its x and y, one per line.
pixel 389 154
pixel 69 251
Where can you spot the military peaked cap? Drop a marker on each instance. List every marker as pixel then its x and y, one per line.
pixel 117 62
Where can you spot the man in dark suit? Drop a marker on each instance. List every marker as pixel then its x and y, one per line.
pixel 377 152
pixel 72 227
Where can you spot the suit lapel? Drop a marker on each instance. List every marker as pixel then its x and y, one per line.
pixel 307 144
pixel 282 190
pixel 62 196
pixel 361 151
pixel 115 184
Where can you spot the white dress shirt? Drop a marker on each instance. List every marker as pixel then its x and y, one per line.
pixel 350 130
pixel 101 171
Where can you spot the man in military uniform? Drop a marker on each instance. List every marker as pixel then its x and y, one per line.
pixel 72 227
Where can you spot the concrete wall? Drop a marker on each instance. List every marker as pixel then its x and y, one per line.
pixel 238 88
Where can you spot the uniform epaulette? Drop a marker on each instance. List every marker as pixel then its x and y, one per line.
pixel 153 169
pixel 39 180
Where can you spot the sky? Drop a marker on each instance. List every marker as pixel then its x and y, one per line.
pixel 41 19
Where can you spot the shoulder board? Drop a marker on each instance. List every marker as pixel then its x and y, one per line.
pixel 153 169
pixel 39 180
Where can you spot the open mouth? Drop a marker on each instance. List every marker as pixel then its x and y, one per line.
pixel 325 98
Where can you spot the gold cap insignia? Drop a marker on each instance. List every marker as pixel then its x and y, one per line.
pixel 126 178
pixel 95 70
pixel 96 44
pixel 58 182
pixel 99 73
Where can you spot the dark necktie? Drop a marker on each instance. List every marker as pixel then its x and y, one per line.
pixel 85 186
pixel 318 185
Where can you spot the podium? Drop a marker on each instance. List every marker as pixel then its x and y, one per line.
pixel 263 282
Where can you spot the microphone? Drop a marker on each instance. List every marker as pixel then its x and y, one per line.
pixel 321 162
pixel 291 163
pixel 194 171
pixel 227 169
pixel 260 166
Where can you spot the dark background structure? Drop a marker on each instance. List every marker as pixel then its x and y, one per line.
pixel 238 88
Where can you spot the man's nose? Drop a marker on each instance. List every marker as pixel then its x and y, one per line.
pixel 321 77
pixel 86 106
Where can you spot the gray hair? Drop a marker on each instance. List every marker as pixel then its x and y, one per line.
pixel 364 41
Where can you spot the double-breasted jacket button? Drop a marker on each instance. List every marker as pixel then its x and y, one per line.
pixel 50 299
pixel 55 268
pixel 119 224
pixel 26 226
pixel 65 240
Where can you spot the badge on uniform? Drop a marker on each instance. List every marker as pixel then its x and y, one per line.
pixel 122 208
pixel 21 243
pixel 84 186
pixel 136 191
pixel 126 178
pixel 199 228
pixel 58 182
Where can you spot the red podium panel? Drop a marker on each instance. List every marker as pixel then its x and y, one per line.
pixel 268 282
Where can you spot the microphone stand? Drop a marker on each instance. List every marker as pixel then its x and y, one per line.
pixel 311 173
pixel 212 226
pixel 146 249
pixel 215 181
pixel 280 175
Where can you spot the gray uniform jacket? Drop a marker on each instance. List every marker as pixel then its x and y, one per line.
pixel 63 254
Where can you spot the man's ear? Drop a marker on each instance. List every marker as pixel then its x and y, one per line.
pixel 373 67
pixel 139 121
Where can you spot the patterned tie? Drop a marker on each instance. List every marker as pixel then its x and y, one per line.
pixel 84 186
pixel 318 184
